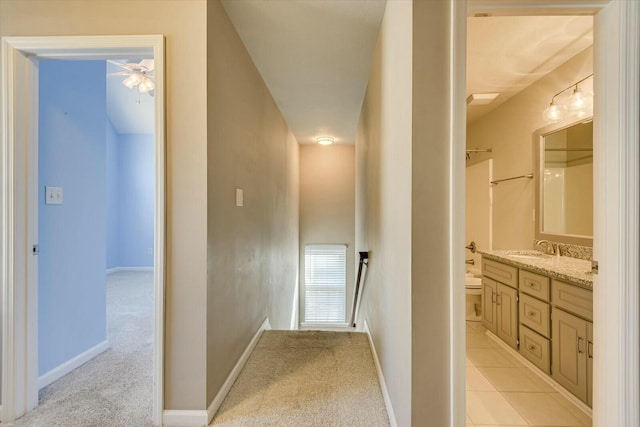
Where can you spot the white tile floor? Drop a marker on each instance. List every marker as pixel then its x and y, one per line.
pixel 503 392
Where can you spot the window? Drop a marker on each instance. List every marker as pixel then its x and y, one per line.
pixel 325 281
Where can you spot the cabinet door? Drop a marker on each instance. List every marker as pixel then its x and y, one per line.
pixel 569 352
pixel 589 363
pixel 489 292
pixel 507 315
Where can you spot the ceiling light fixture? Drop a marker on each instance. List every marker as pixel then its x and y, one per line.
pixel 325 140
pixel 579 104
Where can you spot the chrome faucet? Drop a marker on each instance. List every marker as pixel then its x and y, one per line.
pixel 549 248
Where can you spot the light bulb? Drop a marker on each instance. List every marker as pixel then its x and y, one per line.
pixel 553 113
pixel 580 101
pixel 146 85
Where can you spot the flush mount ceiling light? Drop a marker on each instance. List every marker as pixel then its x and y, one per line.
pixel 578 104
pixel 481 98
pixel 138 74
pixel 325 140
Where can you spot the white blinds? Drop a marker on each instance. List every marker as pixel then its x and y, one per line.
pixel 325 280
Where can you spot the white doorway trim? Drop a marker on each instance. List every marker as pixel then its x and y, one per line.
pixel 19 212
pixel 616 209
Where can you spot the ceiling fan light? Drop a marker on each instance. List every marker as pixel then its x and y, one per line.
pixel 553 113
pixel 325 140
pixel 146 85
pixel 132 81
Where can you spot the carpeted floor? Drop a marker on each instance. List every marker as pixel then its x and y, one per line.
pixel 306 378
pixel 115 388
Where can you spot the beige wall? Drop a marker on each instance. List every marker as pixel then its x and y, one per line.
pixel 252 264
pixel 508 130
pixel 383 207
pixel 184 23
pixel 327 205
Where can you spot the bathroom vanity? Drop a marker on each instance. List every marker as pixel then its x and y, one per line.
pixel 542 306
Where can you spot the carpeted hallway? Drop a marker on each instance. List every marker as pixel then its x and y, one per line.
pixel 113 389
pixel 306 378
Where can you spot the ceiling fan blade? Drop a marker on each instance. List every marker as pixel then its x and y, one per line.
pixel 119 73
pixel 148 64
pixel 119 64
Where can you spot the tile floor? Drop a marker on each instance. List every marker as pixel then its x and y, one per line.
pixel 503 392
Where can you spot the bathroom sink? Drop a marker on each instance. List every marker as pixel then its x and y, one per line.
pixel 527 255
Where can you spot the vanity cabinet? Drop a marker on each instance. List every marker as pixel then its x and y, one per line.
pixel 547 321
pixel 572 329
pixel 500 301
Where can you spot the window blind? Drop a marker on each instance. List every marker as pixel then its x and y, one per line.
pixel 325 280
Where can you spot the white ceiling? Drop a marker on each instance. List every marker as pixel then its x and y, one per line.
pixel 507 54
pixel 315 57
pixel 128 110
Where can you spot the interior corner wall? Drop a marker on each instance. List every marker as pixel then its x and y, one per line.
pixel 327 206
pixel 184 25
pixel 252 249
pixel 113 258
pixel 72 235
pixel 383 207
pixel 508 131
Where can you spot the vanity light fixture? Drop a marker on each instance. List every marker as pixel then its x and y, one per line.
pixel 579 103
pixel 325 140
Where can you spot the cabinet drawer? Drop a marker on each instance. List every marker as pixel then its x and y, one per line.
pixel 535 348
pixel 535 314
pixel 572 299
pixel 534 284
pixel 501 272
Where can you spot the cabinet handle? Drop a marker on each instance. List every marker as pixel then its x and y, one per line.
pixel 530 284
pixel 580 339
pixel 499 301
pixel 493 297
pixel 531 347
pixel 531 314
pixel 590 349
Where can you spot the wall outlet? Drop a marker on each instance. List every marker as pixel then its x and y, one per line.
pixel 239 197
pixel 149 251
pixel 53 195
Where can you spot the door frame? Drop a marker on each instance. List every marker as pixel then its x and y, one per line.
pixel 20 195
pixel 616 187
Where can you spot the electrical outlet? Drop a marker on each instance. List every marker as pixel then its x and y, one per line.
pixel 149 251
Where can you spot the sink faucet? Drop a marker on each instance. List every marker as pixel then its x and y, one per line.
pixel 548 246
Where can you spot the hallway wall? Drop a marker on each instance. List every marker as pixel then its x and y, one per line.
pixel 252 250
pixel 184 25
pixel 383 203
pixel 72 236
pixel 327 206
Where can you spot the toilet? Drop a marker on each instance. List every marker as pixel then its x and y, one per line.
pixel 473 291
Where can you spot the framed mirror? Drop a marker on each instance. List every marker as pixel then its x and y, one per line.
pixel 564 183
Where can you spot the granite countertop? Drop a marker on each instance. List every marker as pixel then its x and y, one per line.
pixel 574 270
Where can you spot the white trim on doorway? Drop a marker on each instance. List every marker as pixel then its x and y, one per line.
pixel 19 212
pixel 616 203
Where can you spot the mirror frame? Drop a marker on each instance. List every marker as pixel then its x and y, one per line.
pixel 538 150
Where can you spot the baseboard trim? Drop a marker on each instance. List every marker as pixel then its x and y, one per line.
pixel 185 418
pixel 119 269
pixel 233 375
pixel 383 383
pixel 546 378
pixel 71 364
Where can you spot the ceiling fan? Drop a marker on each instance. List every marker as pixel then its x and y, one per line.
pixel 138 74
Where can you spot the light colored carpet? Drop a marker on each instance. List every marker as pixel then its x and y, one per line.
pixel 115 388
pixel 306 378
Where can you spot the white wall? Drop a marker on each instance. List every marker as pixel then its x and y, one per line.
pixel 479 209
pixel 508 130
pixel 327 206
pixel 383 209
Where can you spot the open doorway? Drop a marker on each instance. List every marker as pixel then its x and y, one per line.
pixel 95 242
pixel 22 375
pixel 527 345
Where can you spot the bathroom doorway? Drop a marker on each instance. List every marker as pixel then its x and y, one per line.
pixel 516 67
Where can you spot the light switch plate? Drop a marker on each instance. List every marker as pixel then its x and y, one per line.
pixel 53 195
pixel 239 197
